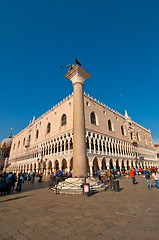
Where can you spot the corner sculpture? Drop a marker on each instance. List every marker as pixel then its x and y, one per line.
pixel 71 66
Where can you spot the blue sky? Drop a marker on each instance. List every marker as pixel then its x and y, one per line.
pixel 116 41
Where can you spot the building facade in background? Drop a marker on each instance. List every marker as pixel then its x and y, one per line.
pixel 5 147
pixel 157 150
pixel 112 140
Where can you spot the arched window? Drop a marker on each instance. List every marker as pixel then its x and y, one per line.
pixel 93 118
pixel 18 144
pixel 63 120
pixel 122 130
pixel 48 128
pixel 24 141
pixel 138 136
pixel 145 140
pixel 110 125
pixel 131 135
pixel 28 140
pixel 37 133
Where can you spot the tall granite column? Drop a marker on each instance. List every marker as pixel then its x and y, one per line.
pixel 78 75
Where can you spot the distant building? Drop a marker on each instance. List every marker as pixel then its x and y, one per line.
pixel 112 140
pixel 5 148
pixel 157 150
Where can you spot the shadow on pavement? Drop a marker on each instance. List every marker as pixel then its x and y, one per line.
pixel 120 189
pixel 26 187
pixel 16 198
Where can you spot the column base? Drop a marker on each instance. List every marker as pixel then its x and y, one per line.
pixel 75 185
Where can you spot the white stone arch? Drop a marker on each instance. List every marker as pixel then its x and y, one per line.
pixel 70 163
pixel 128 165
pixel 28 167
pixel 56 164
pixel 34 166
pixel 118 164
pixel 64 165
pixel 103 164
pixel 95 162
pixel 111 163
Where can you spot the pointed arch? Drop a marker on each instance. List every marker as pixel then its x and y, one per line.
pixel 95 165
pixel 63 120
pixel 48 128
pixel 64 164
pixel 104 167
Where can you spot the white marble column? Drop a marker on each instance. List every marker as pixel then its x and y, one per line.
pixel 91 170
pixel 78 76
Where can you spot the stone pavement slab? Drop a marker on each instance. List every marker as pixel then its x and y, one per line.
pixel 37 213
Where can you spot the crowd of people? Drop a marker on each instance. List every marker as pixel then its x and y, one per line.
pixel 10 181
pixel 150 174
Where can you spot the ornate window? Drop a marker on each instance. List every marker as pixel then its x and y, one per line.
pixel 93 118
pixel 110 125
pixel 48 128
pixel 131 135
pixel 151 143
pixel 29 138
pixel 14 146
pixel 63 120
pixel 145 140
pixel 123 130
pixel 138 136
pixel 37 134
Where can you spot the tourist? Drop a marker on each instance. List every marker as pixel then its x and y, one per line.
pixel 52 175
pixel 33 177
pixel 13 181
pixel 132 175
pixel 40 177
pixel 9 182
pixel 99 174
pixel 155 175
pixel 19 184
pixel 148 178
pixel 29 177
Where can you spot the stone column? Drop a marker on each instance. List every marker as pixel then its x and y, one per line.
pixel 91 170
pixel 90 145
pixel 120 164
pixel 60 165
pixel 78 75
pixel 106 148
pixel 68 168
pixel 47 166
pixel 107 163
pixel 94 144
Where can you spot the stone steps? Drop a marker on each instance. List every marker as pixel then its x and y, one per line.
pixel 74 186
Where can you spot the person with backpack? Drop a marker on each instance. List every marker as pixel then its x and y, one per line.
pixel 148 178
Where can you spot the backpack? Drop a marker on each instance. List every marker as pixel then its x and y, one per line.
pixel 147 176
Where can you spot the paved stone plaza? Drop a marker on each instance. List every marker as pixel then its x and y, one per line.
pixel 38 213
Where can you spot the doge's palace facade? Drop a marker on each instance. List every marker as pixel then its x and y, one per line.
pixel 112 140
